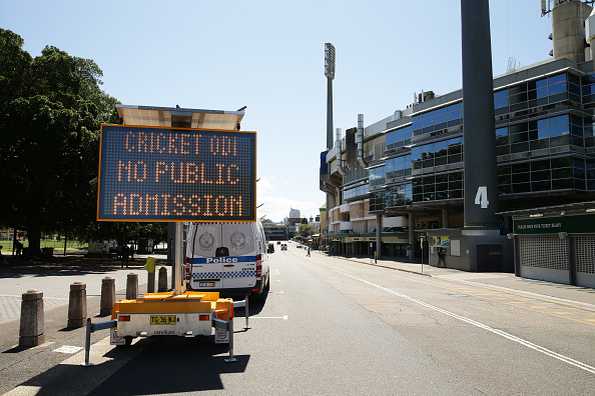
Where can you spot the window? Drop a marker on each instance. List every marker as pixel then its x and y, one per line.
pixel 438 119
pixel 500 99
pixel 553 126
pixel 398 167
pixel 398 195
pixel 376 177
pixel 438 187
pixel 439 153
pixel 354 192
pixel 543 175
pixel 399 138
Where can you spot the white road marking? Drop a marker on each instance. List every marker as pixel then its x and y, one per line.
pixel 68 349
pixel 508 336
pixel 284 317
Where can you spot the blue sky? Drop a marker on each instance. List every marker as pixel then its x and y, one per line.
pixel 268 55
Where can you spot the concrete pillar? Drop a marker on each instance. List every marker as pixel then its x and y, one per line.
pixel 444 218
pixel 411 236
pixel 31 331
pixel 131 286
pixel 162 281
pixel 378 235
pixel 108 296
pixel 77 305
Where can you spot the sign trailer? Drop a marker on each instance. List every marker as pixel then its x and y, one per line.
pixel 176 175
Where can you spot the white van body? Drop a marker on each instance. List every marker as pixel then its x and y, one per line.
pixel 227 257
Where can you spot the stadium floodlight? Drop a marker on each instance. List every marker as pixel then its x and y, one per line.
pixel 329 60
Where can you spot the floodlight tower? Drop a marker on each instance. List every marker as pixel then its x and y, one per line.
pixel 329 72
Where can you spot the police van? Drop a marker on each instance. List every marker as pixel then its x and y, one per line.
pixel 227 257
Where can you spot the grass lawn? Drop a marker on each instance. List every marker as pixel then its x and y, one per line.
pixel 71 246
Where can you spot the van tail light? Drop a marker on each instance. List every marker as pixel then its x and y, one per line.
pixel 258 265
pixel 203 317
pixel 124 318
pixel 187 269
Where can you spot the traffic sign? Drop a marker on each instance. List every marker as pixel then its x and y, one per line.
pixel 175 174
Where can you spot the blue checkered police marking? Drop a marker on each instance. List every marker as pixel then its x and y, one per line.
pixel 223 260
pixel 223 275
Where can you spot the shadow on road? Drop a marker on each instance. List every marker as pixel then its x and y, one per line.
pixel 63 266
pixel 256 305
pixel 159 365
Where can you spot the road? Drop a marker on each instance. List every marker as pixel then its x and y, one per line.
pixel 331 326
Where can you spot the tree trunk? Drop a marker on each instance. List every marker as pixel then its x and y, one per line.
pixel 34 238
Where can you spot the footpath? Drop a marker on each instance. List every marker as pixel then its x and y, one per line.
pixel 576 297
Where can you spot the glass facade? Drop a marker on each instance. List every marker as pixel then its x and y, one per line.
pixel 394 184
pixel 376 178
pixel 437 187
pixel 590 174
pixel 547 90
pixel 354 192
pixel 399 138
pixel 539 134
pixel 397 167
pixel 542 175
pixel 444 152
pixel 398 195
pixel 438 119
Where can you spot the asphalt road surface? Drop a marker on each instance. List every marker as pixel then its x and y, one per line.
pixel 331 326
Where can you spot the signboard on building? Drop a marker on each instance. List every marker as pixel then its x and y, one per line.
pixel 169 174
pixel 552 225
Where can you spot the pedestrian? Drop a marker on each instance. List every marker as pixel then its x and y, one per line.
pixel 125 255
pixel 18 246
pixel 308 252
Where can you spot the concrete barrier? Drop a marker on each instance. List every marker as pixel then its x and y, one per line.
pixel 131 286
pixel 108 296
pixel 77 305
pixel 162 282
pixel 31 331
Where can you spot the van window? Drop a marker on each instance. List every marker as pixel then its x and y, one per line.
pixel 203 239
pixel 240 239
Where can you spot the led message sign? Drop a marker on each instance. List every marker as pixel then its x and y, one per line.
pixel 168 174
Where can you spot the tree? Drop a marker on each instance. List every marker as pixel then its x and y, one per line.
pixel 305 230
pixel 51 107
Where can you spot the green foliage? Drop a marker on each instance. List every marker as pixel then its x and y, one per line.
pixel 305 230
pixel 51 107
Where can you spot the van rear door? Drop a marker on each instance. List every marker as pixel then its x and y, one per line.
pixel 205 273
pixel 239 269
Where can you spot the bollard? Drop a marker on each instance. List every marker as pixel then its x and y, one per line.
pixel 32 322
pixel 131 286
pixel 108 296
pixel 162 281
pixel 77 305
pixel 150 267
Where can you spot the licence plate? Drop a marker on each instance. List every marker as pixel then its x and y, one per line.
pixel 163 319
pixel 206 284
